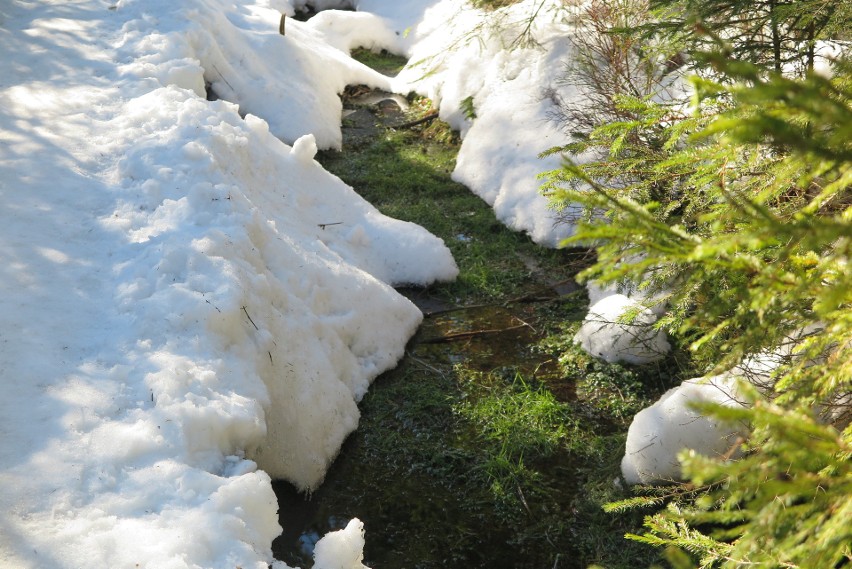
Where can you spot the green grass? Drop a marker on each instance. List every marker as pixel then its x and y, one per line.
pixel 499 451
pixel 406 175
pixel 381 61
pixel 520 418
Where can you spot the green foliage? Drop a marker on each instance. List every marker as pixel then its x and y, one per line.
pixel 774 34
pixel 738 204
pixel 611 389
pixel 730 216
pixel 787 503
pixel 467 108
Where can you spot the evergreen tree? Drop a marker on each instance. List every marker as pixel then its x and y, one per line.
pixel 740 205
pixel 780 35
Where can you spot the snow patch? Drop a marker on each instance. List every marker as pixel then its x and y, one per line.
pixel 660 432
pixel 342 549
pixel 462 56
pixel 620 329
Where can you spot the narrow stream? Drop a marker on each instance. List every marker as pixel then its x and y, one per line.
pixel 415 491
pixel 433 490
pixel 411 518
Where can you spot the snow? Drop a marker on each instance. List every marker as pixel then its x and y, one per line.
pixel 342 549
pixel 349 30
pixel 458 53
pixel 660 432
pixel 191 306
pixel 238 50
pixel 461 53
pixel 621 329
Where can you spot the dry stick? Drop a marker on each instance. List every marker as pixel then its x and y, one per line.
pixel 427 118
pixel 249 317
pixel 526 298
pixel 223 78
pixel 424 364
pixel 472 334
pixel 523 498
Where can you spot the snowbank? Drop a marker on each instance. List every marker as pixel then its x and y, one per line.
pixel 258 244
pixel 190 305
pixel 494 77
pixel 291 81
pixel 492 65
pixel 620 329
pixel 660 432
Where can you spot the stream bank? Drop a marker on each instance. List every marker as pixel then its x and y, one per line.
pixel 495 442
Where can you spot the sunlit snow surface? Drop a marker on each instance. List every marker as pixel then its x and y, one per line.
pixel 192 305
pixel 509 70
pixel 185 297
pixel 659 433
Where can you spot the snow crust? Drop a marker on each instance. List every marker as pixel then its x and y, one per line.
pixel 190 305
pixel 660 432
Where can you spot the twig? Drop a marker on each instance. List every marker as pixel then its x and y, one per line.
pixel 223 78
pixel 472 334
pixel 424 364
pixel 523 499
pixel 324 225
pixel 430 117
pixel 250 320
